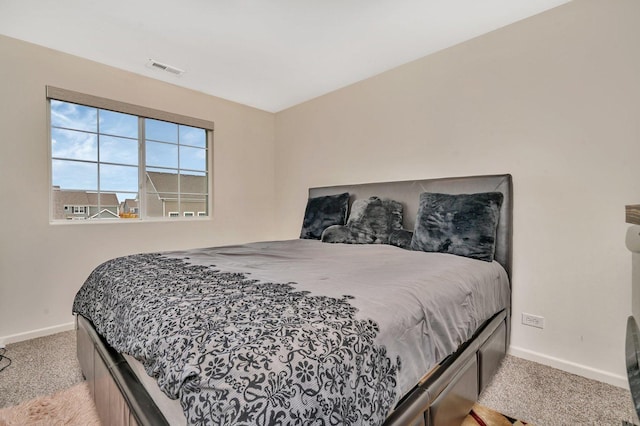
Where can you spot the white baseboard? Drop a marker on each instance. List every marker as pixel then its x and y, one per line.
pixel 570 367
pixel 14 338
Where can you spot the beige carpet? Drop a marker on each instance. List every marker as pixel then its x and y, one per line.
pixel 74 407
pixel 71 406
pixel 522 389
pixel 39 367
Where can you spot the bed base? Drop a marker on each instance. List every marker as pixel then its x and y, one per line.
pixel 447 395
pixel 120 398
pixel 444 398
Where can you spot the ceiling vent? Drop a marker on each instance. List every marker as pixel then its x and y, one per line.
pixel 164 67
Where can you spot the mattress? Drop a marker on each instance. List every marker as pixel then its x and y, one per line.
pixel 394 314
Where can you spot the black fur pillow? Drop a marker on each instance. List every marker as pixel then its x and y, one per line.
pixel 322 212
pixel 371 222
pixel 463 224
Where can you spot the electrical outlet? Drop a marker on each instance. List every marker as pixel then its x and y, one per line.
pixel 533 320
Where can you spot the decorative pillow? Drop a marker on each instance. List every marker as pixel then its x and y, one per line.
pixel 401 238
pixel 463 224
pixel 371 222
pixel 322 212
pixel 339 234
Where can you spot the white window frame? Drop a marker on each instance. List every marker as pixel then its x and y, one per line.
pixel 188 214
pixel 55 93
pixel 173 214
pixel 202 214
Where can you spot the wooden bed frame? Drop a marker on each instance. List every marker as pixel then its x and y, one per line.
pixel 443 397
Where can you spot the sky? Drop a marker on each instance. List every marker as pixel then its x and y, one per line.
pixel 91 147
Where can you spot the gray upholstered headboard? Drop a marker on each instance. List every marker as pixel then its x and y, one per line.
pixel 408 193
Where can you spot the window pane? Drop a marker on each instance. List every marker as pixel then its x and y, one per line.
pixel 130 197
pixel 193 158
pixel 118 124
pixel 154 205
pixel 162 131
pixel 187 205
pixel 193 184
pixel 118 150
pixel 162 155
pixel 73 116
pixel 74 175
pixel 129 208
pixel 74 145
pixel 193 136
pixel 162 181
pixel 108 207
pixel 193 193
pixel 118 178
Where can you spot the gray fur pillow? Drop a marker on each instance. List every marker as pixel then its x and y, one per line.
pixel 464 224
pixel 322 212
pixel 401 238
pixel 339 234
pixel 371 222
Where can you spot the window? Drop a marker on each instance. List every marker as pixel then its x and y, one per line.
pixel 202 213
pixel 111 160
pixel 75 209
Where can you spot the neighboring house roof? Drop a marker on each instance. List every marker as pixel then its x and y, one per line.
pixel 68 197
pixel 130 203
pixel 166 186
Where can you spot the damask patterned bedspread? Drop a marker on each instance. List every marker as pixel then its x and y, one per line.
pixel 290 332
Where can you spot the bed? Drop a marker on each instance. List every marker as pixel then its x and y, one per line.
pixel 336 333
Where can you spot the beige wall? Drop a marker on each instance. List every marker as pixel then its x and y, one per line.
pixel 39 271
pixel 555 101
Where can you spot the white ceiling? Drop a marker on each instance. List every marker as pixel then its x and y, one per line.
pixel 269 54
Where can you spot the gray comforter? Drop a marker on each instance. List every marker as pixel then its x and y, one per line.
pixel 290 332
